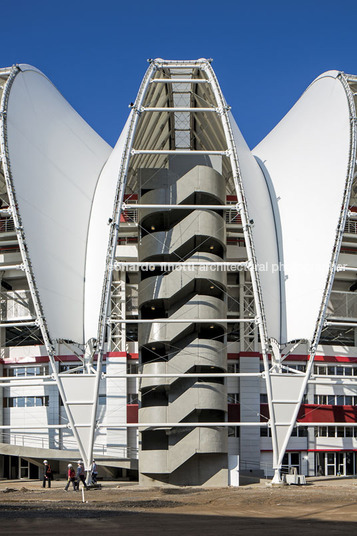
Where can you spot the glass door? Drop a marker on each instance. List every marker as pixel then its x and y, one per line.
pixel 330 460
pixel 340 463
pixel 350 463
pixel 24 467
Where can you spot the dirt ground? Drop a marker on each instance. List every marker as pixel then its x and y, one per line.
pixel 322 507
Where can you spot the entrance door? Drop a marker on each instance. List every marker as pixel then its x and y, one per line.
pixel 27 469
pixel 291 459
pixel 350 463
pixel 24 468
pixel 335 463
pixel 330 459
pixel 340 463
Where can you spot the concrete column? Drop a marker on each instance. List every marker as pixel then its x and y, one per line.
pixel 116 402
pixel 250 412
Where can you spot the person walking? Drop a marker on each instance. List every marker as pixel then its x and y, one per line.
pixel 94 474
pixel 81 475
pixel 71 478
pixel 47 474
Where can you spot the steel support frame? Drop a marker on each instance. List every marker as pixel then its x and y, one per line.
pixel 231 153
pixel 113 240
pixel 242 204
pixel 26 266
pixel 176 152
pixel 333 263
pixel 163 264
pixel 184 207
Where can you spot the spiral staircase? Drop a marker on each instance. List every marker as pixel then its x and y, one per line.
pixel 180 455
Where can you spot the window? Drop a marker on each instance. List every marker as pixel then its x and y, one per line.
pixel 320 399
pixel 233 368
pixel 299 431
pixel 265 431
pixel 17 402
pixel 336 431
pixel 233 398
pixel 339 370
pixel 67 368
pixel 132 398
pixel 233 431
pixel 335 400
pixel 132 368
pixel 25 401
pixel 339 400
pixel 132 332
pixel 321 431
pixel 263 398
pixel 20 372
pixel 300 368
pixel 320 369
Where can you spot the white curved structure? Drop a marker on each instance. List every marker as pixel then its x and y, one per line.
pixel 56 160
pixel 308 158
pixel 66 192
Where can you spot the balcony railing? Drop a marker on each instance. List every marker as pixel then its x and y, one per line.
pixel 351 226
pixel 342 304
pixel 129 215
pixel 16 305
pixel 7 225
pixel 45 441
pixel 232 217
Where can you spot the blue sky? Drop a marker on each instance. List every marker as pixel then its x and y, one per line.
pixel 265 52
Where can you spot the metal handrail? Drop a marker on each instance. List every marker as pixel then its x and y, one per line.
pixel 70 445
pixel 7 225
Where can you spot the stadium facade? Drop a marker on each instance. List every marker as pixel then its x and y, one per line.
pixel 179 307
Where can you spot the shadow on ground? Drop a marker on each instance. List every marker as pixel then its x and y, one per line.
pixel 28 520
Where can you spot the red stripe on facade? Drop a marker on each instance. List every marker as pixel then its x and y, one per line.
pixel 132 413
pixel 43 359
pixel 310 413
pixel 287 450
pixel 331 450
pixel 299 357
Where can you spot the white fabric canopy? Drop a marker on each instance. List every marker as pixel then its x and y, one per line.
pixel 264 229
pixel 98 234
pixel 56 159
pixel 307 158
